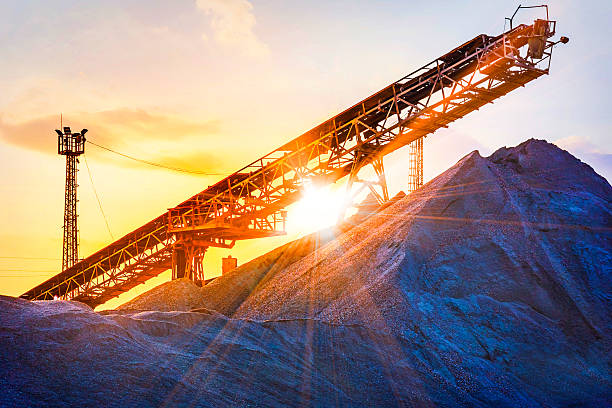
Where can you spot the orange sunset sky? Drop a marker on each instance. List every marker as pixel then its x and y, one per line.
pixel 211 85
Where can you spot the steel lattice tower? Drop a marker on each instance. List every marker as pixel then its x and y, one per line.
pixel 415 170
pixel 70 145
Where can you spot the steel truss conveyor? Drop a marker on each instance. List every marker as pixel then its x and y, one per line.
pixel 250 203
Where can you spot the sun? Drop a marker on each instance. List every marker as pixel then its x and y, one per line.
pixel 320 207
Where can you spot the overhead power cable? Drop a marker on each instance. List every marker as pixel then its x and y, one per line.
pixel 163 166
pixel 98 198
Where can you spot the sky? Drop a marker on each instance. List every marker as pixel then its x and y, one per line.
pixel 210 85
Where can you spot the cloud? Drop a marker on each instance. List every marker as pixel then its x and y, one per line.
pixel 145 135
pixel 232 23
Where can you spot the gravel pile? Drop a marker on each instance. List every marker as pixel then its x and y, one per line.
pixel 491 287
pixel 179 294
pixel 184 295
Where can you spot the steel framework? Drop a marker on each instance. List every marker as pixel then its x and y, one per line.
pixel 415 165
pixel 250 203
pixel 71 145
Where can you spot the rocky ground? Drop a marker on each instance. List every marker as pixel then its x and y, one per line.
pixel 489 287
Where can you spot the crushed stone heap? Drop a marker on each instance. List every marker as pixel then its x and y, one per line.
pixel 175 295
pixel 491 286
pixel 184 295
pixel 526 226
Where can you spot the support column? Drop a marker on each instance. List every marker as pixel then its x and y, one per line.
pixel 187 259
pixel 381 197
pixel 379 168
pixel 415 166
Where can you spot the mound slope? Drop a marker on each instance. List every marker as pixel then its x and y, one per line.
pixel 490 287
pixel 225 294
pixel 175 295
pixel 529 225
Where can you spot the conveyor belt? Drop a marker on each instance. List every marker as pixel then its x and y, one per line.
pixel 458 82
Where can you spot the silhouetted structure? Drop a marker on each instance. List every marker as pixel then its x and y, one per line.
pixel 251 202
pixel 71 145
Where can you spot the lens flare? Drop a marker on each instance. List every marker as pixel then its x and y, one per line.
pixel 320 207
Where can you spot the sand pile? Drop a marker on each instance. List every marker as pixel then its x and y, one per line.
pixel 489 288
pixel 179 294
pixel 529 225
pixel 183 295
